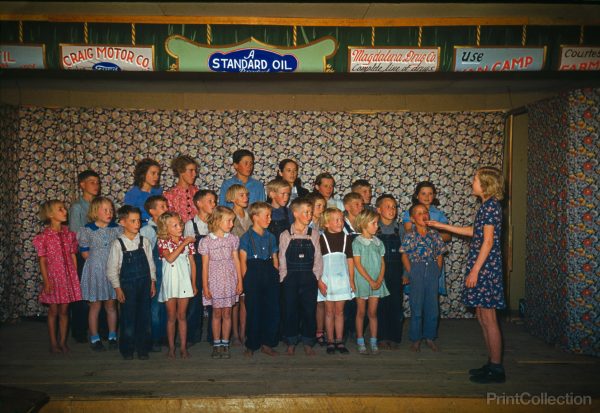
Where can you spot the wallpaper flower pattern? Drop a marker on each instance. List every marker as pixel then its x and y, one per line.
pixel 392 150
pixel 563 277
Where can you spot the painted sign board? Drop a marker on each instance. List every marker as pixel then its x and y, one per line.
pixel 498 58
pixel 22 56
pixel 106 57
pixel 250 56
pixel 579 58
pixel 393 59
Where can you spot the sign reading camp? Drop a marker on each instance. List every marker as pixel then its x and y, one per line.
pixel 498 59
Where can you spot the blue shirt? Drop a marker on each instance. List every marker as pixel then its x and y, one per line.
pixel 136 197
pixel 266 245
pixel 434 215
pixel 423 248
pixel 78 215
pixel 279 214
pixel 256 190
pixel 149 231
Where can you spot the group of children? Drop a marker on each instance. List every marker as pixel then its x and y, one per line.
pixel 283 263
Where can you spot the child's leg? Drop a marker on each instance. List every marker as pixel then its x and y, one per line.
pixel 416 300
pixel 329 319
pixel 171 305
pixel 321 320
pixel 52 316
pixel 63 326
pixel 339 320
pixel 242 319
pixel 235 316
pixel 226 323
pixel 216 324
pixel 492 331
pixel 111 316
pixel 372 314
pixel 182 304
pixel 360 316
pixel 93 319
pixel 483 329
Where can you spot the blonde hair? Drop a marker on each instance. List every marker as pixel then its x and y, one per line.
pixel 217 216
pixel 492 182
pixel 257 207
pixel 233 191
pixel 46 209
pixel 326 215
pixel 92 214
pixel 351 196
pixel 162 232
pixel 276 184
pixel 362 219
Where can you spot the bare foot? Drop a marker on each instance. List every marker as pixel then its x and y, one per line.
pixel 235 342
pixel 64 348
pixel 415 346
pixel 248 353
pixel 184 353
pixel 385 345
pixel 309 351
pixel 55 349
pixel 431 344
pixel 291 350
pixel 171 353
pixel 268 351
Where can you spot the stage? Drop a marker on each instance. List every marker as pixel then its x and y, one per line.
pixel 395 380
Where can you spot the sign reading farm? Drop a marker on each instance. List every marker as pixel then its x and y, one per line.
pixel 250 56
pixel 393 59
pixel 579 58
pixel 106 57
pixel 22 56
pixel 498 59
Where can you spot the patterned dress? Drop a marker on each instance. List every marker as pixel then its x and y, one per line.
pixel 57 247
pixel 95 240
pixel 176 275
pixel 489 291
pixel 222 275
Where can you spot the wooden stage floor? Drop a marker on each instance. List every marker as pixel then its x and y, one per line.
pixel 531 365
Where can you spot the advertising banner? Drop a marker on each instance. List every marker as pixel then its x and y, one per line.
pixel 498 59
pixel 393 59
pixel 106 57
pixel 22 56
pixel 579 58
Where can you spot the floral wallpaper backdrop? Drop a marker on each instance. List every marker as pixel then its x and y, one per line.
pixel 563 252
pixel 392 150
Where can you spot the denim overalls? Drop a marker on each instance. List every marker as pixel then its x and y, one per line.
pixel 195 311
pixel 135 311
pixel 300 292
pixel 261 284
pixel 390 311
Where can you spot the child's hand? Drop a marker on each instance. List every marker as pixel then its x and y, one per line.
pixel 120 295
pixel 405 281
pixel 322 287
pixel 152 288
pixel 471 280
pixel 48 287
pixel 194 290
pixel 353 287
pixel 189 240
pixel 239 289
pixel 206 293
pixel 373 284
pixel 433 224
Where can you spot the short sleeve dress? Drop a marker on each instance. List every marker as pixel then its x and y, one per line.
pixel 222 275
pixel 489 290
pixel 57 247
pixel 370 252
pixel 177 275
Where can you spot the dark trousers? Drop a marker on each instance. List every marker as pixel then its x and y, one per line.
pixel 78 310
pixel 158 311
pixel 262 306
pixel 195 311
pixel 300 301
pixel 390 311
pixel 135 316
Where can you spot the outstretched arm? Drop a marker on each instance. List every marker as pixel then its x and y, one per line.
pixel 465 231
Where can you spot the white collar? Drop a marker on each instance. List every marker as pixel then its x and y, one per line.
pixel 367 241
pixel 213 236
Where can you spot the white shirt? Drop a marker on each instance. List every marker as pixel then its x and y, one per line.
pixel 188 231
pixel 115 258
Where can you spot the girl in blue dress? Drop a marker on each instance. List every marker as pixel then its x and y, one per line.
pixel 483 284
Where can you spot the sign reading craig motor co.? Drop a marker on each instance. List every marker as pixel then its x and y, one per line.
pixel 106 57
pixel 579 58
pixel 393 59
pixel 250 56
pixel 21 56
pixel 498 59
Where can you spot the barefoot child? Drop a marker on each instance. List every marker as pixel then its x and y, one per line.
pixel 259 265
pixel 422 257
pixel 300 266
pixel 130 269
pixel 56 247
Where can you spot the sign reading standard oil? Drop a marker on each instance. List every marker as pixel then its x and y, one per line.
pixel 250 56
pixel 22 56
pixel 106 57
pixel 579 58
pixel 393 59
pixel 498 59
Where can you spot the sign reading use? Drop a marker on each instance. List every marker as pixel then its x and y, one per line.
pixel 498 59
pixel 106 57
pixel 250 56
pixel 579 58
pixel 393 59
pixel 22 56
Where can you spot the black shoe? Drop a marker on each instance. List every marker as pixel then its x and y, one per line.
pixel 97 346
pixel 481 370
pixel 128 357
pixel 143 356
pixel 112 344
pixel 342 348
pixel 330 348
pixel 490 376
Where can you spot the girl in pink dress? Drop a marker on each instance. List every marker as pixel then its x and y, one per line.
pixel 221 276
pixel 56 247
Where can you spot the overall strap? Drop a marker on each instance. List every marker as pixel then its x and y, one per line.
pixel 122 244
pixel 344 247
pixel 253 244
pixel 196 230
pixel 327 243
pixel 309 232
pixel 141 245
